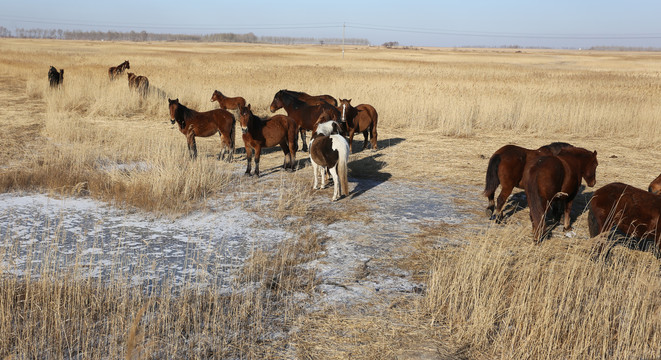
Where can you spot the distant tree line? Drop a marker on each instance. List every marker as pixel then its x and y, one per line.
pixel 146 36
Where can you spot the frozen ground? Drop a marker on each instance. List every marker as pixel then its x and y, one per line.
pixel 98 240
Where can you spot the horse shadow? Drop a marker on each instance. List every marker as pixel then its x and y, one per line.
pixel 367 173
pixel 382 144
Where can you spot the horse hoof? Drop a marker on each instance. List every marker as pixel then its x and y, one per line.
pixel 570 233
pixel 489 213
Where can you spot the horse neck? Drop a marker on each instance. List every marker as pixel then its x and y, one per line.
pixel 290 102
pixel 182 114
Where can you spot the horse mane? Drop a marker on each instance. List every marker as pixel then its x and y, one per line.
pixel 291 98
pixel 183 113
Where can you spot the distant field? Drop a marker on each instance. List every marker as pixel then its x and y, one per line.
pixel 442 113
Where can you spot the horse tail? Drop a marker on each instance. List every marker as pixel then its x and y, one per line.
pixel 492 180
pixel 593 223
pixel 342 147
pixel 232 136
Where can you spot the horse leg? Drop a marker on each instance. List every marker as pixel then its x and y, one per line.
pixel 375 146
pixel 336 183
pixel 248 158
pixel 505 192
pixel 258 151
pixel 192 147
pixel 366 138
pixel 223 147
pixel 567 225
pixel 305 146
pixel 287 160
pixel 315 168
pixel 351 132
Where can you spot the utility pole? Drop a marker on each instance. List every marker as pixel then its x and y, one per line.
pixel 344 25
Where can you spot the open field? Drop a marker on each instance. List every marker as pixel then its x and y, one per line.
pixel 375 275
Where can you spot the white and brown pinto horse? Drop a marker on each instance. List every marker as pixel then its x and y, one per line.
pixel 329 150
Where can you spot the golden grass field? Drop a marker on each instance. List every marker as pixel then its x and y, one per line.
pixel 442 113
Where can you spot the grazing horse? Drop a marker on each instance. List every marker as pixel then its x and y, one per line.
pixel 633 211
pixel 304 114
pixel 557 178
pixel 506 168
pixel 277 130
pixel 362 118
pixel 330 152
pixel 312 99
pixel 232 103
pixel 655 186
pixel 115 71
pixel 55 78
pixel 204 124
pixel 139 83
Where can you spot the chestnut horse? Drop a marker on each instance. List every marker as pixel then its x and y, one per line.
pixel 634 212
pixel 55 78
pixel 277 130
pixel 330 152
pixel 139 83
pixel 655 186
pixel 557 178
pixel 506 168
pixel 232 103
pixel 362 118
pixel 204 124
pixel 115 71
pixel 304 114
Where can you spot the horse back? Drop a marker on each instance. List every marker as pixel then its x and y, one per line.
pixel 366 116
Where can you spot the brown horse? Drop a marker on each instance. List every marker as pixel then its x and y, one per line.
pixel 362 118
pixel 277 130
pixel 204 124
pixel 634 212
pixel 655 186
pixel 55 78
pixel 557 178
pixel 304 114
pixel 232 103
pixel 115 71
pixel 506 168
pixel 139 83
pixel 312 99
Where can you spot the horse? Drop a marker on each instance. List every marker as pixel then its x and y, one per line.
pixel 313 99
pixel 55 78
pixel 362 118
pixel 232 103
pixel 204 124
pixel 632 211
pixel 115 71
pixel 557 178
pixel 506 168
pixel 277 130
pixel 139 83
pixel 330 152
pixel 655 186
pixel 303 113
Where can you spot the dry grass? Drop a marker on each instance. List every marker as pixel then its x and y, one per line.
pixel 442 112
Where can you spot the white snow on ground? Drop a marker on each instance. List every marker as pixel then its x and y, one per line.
pixel 100 240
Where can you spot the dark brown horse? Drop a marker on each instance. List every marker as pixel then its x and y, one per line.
pixel 139 83
pixel 655 186
pixel 277 130
pixel 55 78
pixel 362 118
pixel 204 124
pixel 232 103
pixel 304 114
pixel 557 178
pixel 506 168
pixel 312 99
pixel 115 71
pixel 634 212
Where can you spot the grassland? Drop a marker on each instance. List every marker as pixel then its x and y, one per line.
pixel 442 112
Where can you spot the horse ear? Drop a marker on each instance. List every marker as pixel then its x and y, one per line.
pixel 595 153
pixel 248 107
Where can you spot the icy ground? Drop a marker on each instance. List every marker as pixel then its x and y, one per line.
pixel 99 240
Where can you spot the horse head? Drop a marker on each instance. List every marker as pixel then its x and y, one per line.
pixel 216 96
pixel 174 106
pixel 345 105
pixel 277 101
pixel 128 66
pixel 590 170
pixel 245 113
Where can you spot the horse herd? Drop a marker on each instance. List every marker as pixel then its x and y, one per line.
pixel 551 177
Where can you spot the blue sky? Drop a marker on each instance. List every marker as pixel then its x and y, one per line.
pixel 558 23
